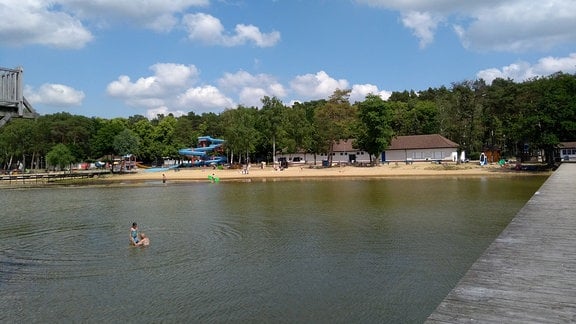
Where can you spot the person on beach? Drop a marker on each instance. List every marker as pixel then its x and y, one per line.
pixel 163 178
pixel 134 238
pixel 144 240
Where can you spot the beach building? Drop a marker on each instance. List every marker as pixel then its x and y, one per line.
pixel 415 148
pixel 344 153
pixel 567 151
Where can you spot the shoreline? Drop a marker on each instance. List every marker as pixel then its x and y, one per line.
pixel 306 172
pixel 293 173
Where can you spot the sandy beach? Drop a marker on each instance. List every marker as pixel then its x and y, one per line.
pixel 256 173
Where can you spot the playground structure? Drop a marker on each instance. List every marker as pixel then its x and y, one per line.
pixel 12 101
pixel 208 152
pixel 126 163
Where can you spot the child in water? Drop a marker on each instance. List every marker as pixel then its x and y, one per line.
pixel 134 238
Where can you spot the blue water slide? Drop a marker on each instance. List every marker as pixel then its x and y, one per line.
pixel 209 139
pixel 191 152
pixel 216 160
pixel 209 144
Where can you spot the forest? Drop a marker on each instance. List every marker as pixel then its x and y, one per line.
pixel 521 120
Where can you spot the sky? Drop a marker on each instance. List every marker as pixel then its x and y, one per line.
pixel 121 58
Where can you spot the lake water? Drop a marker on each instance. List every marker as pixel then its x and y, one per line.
pixel 334 251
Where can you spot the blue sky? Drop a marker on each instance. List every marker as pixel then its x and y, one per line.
pixel 119 58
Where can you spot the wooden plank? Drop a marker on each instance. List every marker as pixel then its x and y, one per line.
pixel 528 274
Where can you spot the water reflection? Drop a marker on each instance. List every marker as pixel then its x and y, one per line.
pixel 312 251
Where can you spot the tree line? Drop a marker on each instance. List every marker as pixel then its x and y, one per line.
pixel 518 119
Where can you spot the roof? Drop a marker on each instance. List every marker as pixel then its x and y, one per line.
pixel 344 145
pixel 567 144
pixel 431 141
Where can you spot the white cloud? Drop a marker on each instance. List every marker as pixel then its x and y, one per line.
pixel 247 33
pixel 24 22
pixel 490 25
pixel 158 15
pixel 132 9
pixel 423 25
pixel 252 88
pixel 56 95
pixel 518 26
pixel 172 75
pixel 204 28
pixel 316 86
pixel 205 98
pixel 522 71
pixel 168 78
pixel 62 23
pixel 162 23
pixel 124 87
pixel 208 29
pixel 251 97
pixel 169 89
pixel 360 91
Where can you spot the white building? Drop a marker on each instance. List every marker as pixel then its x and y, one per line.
pixel 433 147
pixel 413 148
pixel 567 151
pixel 344 153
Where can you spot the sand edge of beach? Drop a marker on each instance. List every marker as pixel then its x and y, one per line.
pixel 423 169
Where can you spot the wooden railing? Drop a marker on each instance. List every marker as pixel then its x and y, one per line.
pixel 42 178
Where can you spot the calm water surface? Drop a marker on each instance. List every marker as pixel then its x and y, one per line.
pixel 339 251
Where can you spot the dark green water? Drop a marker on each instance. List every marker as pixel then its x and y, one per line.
pixel 339 251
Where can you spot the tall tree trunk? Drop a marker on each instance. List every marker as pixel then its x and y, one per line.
pixel 34 162
pixel 273 149
pixel 9 166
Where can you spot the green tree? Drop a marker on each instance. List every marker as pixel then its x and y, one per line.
pixel 374 131
pixel 103 140
pixel 315 144
pixel 164 141
pixel 186 132
pixel 240 130
pixel 126 142
pixel 17 138
pixel 298 130
pixel 460 115
pixel 404 96
pixel 144 130
pixel 271 122
pixel 60 156
pixel 548 114
pixel 501 116
pixel 336 118
pixel 415 117
pixel 210 124
pixel 72 130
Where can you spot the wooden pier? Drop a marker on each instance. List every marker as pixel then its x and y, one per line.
pixel 528 274
pixel 45 178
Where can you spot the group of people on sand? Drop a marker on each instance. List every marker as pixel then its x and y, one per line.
pixel 137 238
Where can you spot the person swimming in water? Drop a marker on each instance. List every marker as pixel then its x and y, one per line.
pixel 144 240
pixel 134 237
